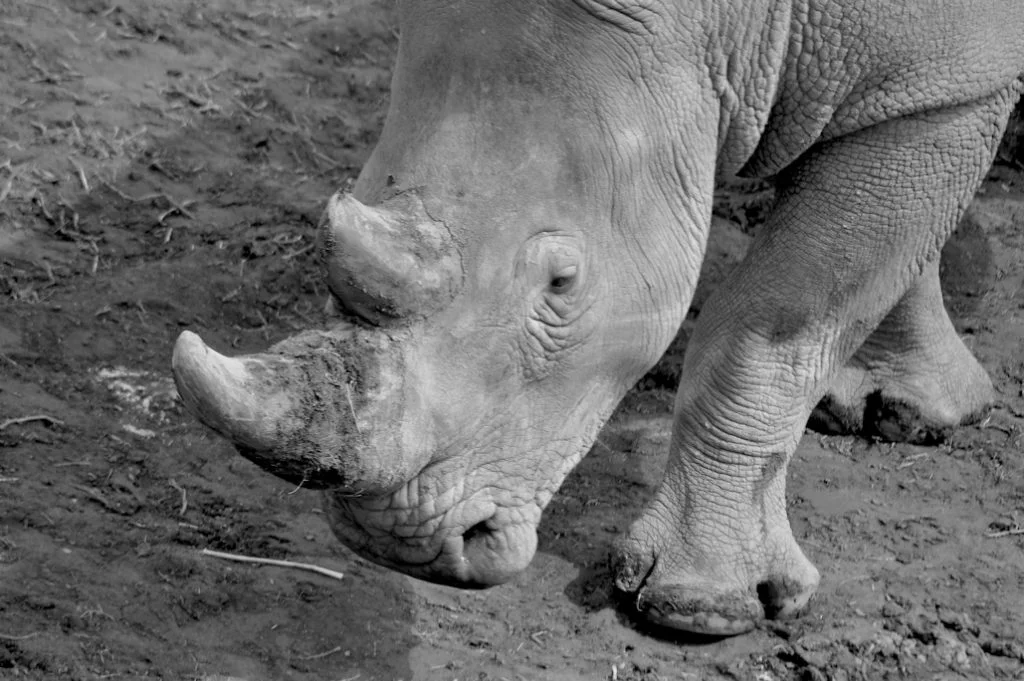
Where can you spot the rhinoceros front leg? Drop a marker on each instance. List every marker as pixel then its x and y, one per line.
pixel 913 380
pixel 859 220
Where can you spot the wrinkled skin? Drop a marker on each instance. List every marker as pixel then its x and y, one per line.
pixel 539 204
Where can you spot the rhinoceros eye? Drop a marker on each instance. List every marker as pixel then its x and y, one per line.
pixel 563 279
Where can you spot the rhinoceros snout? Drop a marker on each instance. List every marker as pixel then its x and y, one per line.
pixel 484 554
pixel 388 262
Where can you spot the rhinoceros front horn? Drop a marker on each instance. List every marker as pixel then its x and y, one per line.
pixel 290 410
pixel 388 262
pixel 245 399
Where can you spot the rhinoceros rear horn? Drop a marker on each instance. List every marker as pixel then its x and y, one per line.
pixel 387 262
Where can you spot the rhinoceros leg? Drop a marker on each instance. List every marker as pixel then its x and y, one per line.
pixel 913 380
pixel 858 222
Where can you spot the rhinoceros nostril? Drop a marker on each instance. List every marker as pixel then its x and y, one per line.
pixel 494 552
pixel 476 532
pixel 777 594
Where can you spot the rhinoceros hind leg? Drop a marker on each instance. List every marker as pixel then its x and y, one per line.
pixel 913 380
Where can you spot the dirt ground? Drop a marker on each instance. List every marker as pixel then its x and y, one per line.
pixel 163 166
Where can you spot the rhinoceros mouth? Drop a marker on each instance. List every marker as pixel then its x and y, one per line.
pixel 487 552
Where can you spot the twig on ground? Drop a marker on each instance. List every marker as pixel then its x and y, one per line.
pixel 46 267
pixel 820 547
pixel 77 99
pixel 180 208
pixel 41 6
pixel 5 192
pixel 911 460
pixel 196 100
pixel 320 656
pixel 9 479
pixel 277 563
pixel 28 419
pixel 81 174
pixel 297 253
pixel 46 76
pixel 331 163
pixel 95 495
pixel 38 200
pixel 9 637
pixel 1014 531
pixel 352 408
pixel 987 423
pixel 175 208
pixel 184 497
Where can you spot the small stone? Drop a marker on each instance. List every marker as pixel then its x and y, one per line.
pixel 812 674
pixel 815 642
pixel 888 644
pixel 957 621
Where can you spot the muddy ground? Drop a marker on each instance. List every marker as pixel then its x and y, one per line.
pixel 162 167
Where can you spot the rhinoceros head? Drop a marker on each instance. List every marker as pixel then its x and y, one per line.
pixel 510 261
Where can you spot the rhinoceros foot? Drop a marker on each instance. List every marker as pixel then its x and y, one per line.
pixel 917 398
pixel 913 380
pixel 697 608
pixel 716 577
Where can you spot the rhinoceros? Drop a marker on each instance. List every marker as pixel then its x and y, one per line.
pixel 524 242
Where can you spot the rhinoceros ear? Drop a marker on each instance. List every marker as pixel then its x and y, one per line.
pixel 387 263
